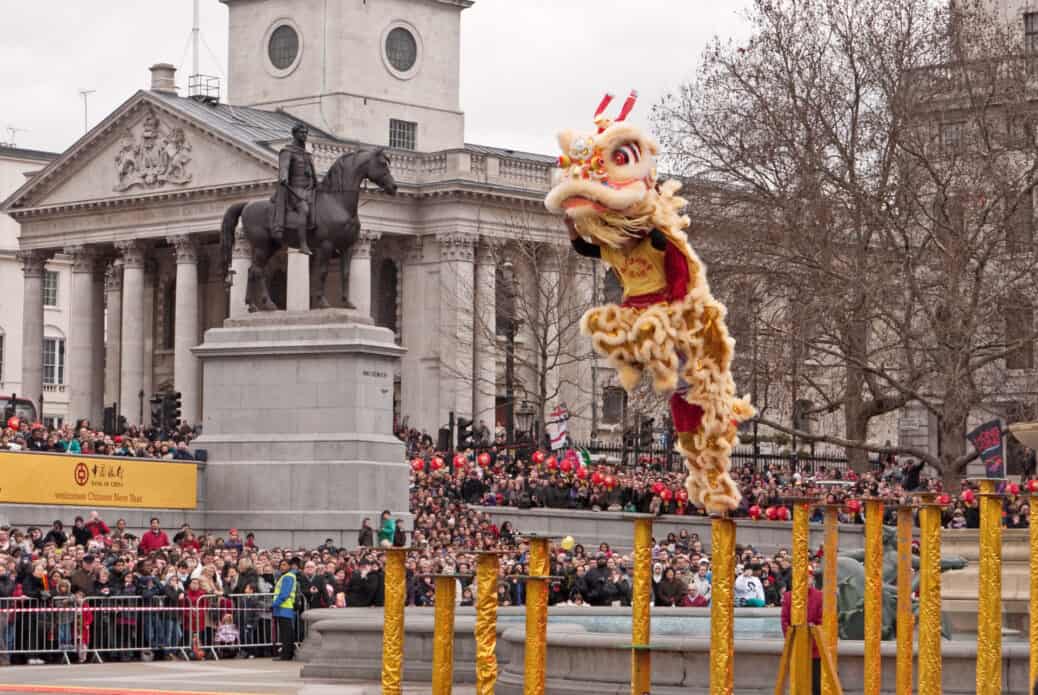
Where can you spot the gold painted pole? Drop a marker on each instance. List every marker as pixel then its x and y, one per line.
pixel 393 622
pixel 930 598
pixel 641 628
pixel 989 594
pixel 1034 590
pixel 536 618
pixel 800 673
pixel 905 617
pixel 830 618
pixel 443 635
pixel 873 596
pixel 487 565
pixel 722 617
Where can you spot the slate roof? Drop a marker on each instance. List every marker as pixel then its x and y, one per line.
pixel 23 153
pixel 511 154
pixel 241 123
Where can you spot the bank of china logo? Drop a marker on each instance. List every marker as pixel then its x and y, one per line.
pixel 82 474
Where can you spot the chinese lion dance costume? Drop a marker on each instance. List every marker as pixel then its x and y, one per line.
pixel 668 324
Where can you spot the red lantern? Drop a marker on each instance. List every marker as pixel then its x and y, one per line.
pixel 417 465
pixel 666 495
pixel 566 466
pixel 771 513
pixel 484 459
pixel 657 487
pixel 944 499
pixel 968 496
pixel 854 506
pixel 1032 486
pixel 610 482
pixel 553 463
pixel 783 513
pixel 436 463
pixel 683 495
pixel 1014 489
pixel 13 422
pixel 755 512
pixel 460 461
pixel 597 478
pixel 537 457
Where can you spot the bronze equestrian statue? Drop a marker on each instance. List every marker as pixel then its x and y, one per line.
pixel 297 186
pixel 335 227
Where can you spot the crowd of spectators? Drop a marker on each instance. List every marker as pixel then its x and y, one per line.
pixel 83 438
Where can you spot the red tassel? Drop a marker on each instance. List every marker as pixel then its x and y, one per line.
pixel 628 105
pixel 604 104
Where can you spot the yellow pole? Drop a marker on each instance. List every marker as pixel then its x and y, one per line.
pixel 873 596
pixel 641 629
pixel 800 673
pixel 989 594
pixel 536 618
pixel 1034 590
pixel 487 565
pixel 393 622
pixel 722 555
pixel 443 636
pixel 830 618
pixel 930 599
pixel 905 618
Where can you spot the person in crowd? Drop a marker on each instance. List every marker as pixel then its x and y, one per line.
pixel 153 539
pixel 814 617
pixel 284 608
pixel 387 530
pixel 748 590
pixel 365 538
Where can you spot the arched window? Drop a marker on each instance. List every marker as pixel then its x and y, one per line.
pixel 386 295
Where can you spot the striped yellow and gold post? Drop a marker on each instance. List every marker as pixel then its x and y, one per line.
pixel 536 618
pixel 873 596
pixel 905 617
pixel 989 594
pixel 443 635
pixel 830 618
pixel 800 671
pixel 930 598
pixel 487 565
pixel 393 622
pixel 1034 590
pixel 722 616
pixel 641 596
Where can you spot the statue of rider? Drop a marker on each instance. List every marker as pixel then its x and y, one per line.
pixel 297 187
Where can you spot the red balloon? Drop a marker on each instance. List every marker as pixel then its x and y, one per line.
pixel 597 478
pixel 666 495
pixel 854 506
pixel 484 459
pixel 657 487
pixel 771 513
pixel 13 422
pixel 537 457
pixel 783 513
pixel 417 465
pixel 460 461
pixel 610 482
pixel 566 466
pixel 754 512
pixel 1032 486
pixel 944 499
pixel 968 496
pixel 553 463
pixel 1014 489
pixel 582 473
pixel 683 495
pixel 436 463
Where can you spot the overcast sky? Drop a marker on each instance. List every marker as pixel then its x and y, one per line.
pixel 529 67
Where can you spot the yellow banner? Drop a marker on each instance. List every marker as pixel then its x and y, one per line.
pixel 97 481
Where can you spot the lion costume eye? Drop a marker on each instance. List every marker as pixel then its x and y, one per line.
pixel 626 154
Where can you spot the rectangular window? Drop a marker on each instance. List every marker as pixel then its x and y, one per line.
pixel 1031 32
pixel 53 422
pixel 614 399
pixel 953 136
pixel 1019 317
pixel 403 134
pixel 1019 222
pixel 50 288
pixel 54 361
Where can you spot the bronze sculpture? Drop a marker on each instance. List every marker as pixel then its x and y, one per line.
pixel 335 231
pixel 297 185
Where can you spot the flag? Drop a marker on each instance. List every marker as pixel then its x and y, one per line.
pixel 558 427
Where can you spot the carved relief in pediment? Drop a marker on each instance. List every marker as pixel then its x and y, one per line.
pixel 152 156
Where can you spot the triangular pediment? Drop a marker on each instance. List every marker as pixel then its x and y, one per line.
pixel 147 146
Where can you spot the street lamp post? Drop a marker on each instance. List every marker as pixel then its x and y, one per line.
pixel 524 419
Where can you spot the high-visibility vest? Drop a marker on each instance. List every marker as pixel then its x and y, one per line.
pixel 290 602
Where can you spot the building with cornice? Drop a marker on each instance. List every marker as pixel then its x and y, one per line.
pixel 135 205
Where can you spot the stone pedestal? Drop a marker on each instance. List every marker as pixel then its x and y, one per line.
pixel 298 423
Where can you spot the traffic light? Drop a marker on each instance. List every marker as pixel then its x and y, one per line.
pixel 156 412
pixel 465 438
pixel 121 426
pixel 171 410
pixel 645 433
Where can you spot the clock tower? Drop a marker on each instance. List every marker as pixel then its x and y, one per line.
pixel 381 72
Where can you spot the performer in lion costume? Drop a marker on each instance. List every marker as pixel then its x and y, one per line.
pixel 668 324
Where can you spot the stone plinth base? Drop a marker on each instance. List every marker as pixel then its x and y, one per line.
pixel 298 421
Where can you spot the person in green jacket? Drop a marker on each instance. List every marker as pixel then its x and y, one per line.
pixel 387 530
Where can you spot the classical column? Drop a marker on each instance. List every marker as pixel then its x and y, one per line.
pixel 185 329
pixel 579 387
pixel 97 325
pixel 131 375
pixel 33 263
pixel 456 339
pixel 151 281
pixel 485 392
pixel 81 345
pixel 419 291
pixel 360 272
pixel 114 321
pixel 241 259
pixel 552 297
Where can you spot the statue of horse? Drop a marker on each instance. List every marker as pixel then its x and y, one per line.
pixel 338 228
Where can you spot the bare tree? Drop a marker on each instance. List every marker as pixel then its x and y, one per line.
pixel 869 166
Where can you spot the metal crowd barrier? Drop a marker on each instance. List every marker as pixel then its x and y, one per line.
pixel 228 625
